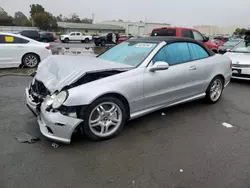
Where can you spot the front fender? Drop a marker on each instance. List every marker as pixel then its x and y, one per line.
pixel 128 84
pixel 78 97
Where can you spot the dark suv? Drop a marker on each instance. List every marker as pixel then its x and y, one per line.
pixel 31 34
pixel 47 36
pixel 107 39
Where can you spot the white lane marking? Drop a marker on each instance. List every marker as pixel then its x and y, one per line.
pixel 181 170
pixel 227 125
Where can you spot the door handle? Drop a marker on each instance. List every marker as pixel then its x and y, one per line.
pixel 192 68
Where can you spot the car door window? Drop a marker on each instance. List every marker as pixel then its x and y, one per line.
pixel 78 34
pixel 187 33
pixel 174 53
pixel 197 52
pixel 197 36
pixel 6 39
pixel 72 34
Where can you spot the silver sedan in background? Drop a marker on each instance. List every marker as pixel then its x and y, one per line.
pixel 240 56
pixel 97 95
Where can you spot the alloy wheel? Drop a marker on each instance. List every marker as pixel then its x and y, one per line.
pixel 105 119
pixel 31 60
pixel 216 90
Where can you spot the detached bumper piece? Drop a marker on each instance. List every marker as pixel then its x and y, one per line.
pixel 53 125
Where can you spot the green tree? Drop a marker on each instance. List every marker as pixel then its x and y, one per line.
pixel 5 19
pixel 59 18
pixel 240 31
pixel 27 23
pixel 45 21
pixel 41 18
pixel 20 19
pixel 243 31
pixel 87 20
pixel 35 9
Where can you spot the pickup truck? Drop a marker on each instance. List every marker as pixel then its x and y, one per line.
pixel 186 32
pixel 75 36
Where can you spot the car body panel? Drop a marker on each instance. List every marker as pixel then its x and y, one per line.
pixel 75 36
pixel 11 54
pixel 144 90
pixel 241 65
pixel 178 33
pixel 56 72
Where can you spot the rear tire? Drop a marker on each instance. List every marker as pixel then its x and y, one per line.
pixel 108 123
pixel 86 40
pixel 215 90
pixel 103 43
pixel 66 40
pixel 30 60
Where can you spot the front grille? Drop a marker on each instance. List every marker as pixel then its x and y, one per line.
pixel 38 91
pixel 241 75
pixel 241 65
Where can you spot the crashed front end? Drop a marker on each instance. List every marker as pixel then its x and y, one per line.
pixel 55 123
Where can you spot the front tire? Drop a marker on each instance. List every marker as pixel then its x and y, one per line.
pixel 215 90
pixel 104 118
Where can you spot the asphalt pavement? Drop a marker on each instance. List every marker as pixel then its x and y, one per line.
pixel 180 147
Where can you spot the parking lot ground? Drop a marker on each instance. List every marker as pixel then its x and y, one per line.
pixel 188 147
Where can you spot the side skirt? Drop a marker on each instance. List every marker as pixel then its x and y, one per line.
pixel 149 110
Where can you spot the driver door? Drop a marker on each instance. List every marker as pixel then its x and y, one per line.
pixel 165 87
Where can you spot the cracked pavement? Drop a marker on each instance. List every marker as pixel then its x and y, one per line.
pixel 186 148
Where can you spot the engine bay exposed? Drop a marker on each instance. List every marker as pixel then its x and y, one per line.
pixel 92 76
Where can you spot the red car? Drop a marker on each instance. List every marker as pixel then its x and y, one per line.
pixel 186 32
pixel 124 38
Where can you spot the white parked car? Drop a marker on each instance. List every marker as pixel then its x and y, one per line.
pixel 240 56
pixel 76 36
pixel 20 51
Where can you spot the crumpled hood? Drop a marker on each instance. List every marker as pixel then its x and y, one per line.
pixel 242 58
pixel 57 72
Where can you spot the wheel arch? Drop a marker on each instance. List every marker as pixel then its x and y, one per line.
pixel 119 97
pixel 39 58
pixel 222 77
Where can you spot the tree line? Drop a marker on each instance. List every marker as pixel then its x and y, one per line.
pixel 240 31
pixel 38 17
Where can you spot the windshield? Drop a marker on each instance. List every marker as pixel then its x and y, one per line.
pixel 130 53
pixel 242 47
pixel 231 43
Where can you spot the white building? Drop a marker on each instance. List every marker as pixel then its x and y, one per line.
pixel 137 28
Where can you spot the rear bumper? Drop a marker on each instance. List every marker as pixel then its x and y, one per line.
pixel 227 79
pixel 53 125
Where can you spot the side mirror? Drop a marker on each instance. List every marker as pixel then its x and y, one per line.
pixel 205 39
pixel 159 65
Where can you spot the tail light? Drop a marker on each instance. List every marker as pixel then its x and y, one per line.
pixel 48 47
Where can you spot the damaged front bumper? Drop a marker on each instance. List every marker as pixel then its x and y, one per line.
pixel 53 125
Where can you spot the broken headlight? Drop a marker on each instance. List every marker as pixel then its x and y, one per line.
pixel 59 99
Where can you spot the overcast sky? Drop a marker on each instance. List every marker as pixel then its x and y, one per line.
pixel 175 12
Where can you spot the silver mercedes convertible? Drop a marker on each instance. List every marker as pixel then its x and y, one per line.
pixel 97 95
